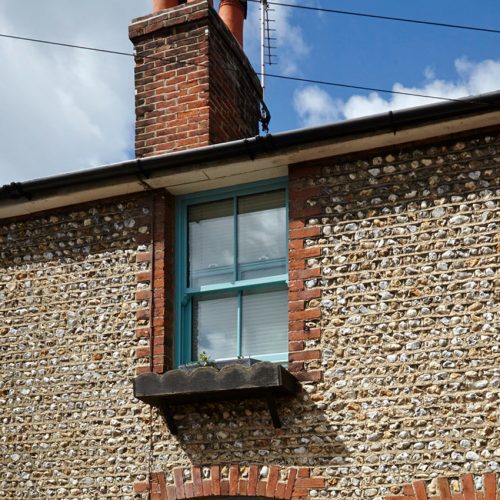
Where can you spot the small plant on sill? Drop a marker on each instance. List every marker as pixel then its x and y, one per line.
pixel 205 360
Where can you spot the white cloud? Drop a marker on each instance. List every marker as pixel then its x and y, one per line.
pixel 65 109
pixel 315 106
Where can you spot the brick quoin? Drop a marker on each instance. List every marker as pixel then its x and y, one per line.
pixel 304 296
pixel 231 480
pixel 156 322
pixel 195 86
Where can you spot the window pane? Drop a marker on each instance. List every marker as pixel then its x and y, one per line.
pixel 215 326
pixel 262 235
pixel 211 243
pixel 265 323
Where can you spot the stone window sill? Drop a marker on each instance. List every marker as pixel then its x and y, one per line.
pixel 263 380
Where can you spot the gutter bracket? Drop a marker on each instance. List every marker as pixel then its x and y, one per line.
pixel 143 174
pixel 250 152
pixel 393 122
pixel 16 188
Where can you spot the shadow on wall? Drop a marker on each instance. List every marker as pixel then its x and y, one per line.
pixel 228 432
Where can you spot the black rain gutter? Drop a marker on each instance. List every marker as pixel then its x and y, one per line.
pixel 259 146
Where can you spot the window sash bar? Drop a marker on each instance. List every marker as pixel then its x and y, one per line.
pixel 239 325
pixel 268 281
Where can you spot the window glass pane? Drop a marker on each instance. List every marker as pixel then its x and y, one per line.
pixel 265 323
pixel 215 326
pixel 262 235
pixel 211 243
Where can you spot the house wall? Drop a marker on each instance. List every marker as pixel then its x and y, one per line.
pixel 393 262
pixel 404 250
pixel 70 305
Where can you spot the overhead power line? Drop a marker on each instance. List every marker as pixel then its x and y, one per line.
pixel 270 75
pixel 385 18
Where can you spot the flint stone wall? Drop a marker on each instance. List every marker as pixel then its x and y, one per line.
pixel 70 427
pixel 407 274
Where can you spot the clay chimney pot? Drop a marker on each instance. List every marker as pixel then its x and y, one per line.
pixel 233 13
pixel 163 4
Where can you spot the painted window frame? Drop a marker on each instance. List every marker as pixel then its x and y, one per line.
pixel 184 295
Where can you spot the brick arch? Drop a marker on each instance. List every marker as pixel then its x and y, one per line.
pixel 231 480
pixel 451 489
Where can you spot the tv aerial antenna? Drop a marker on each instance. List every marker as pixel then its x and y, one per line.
pixel 266 41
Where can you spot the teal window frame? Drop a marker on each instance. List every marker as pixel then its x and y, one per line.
pixel 184 295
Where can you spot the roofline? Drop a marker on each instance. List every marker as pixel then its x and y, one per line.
pixel 257 147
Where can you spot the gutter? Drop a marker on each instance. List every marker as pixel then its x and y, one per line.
pixel 255 147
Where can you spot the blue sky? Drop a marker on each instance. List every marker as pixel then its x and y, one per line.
pixel 65 110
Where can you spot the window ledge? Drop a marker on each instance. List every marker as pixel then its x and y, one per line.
pixel 263 380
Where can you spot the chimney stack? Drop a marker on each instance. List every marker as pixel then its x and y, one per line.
pixel 194 84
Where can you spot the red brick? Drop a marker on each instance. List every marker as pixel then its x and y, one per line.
pixel 303 472
pixel 296 305
pixel 242 487
pixel 444 488
pixel 142 332
pixel 272 480
pixel 142 295
pixel 233 479
pixel 261 488
pixel 224 487
pixel 310 483
pixel 305 193
pixel 313 333
pixel 253 477
pixel 420 490
pixel 312 293
pixel 141 487
pixel 306 232
pixel 296 346
pixel 306 314
pixel 490 486
pixel 142 352
pixel 309 376
pixel 143 276
pixel 467 487
pixel 215 474
pixel 143 257
pixel 305 273
pixel 179 482
pixel 305 253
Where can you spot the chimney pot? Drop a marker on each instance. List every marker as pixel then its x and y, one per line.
pixel 233 13
pixel 163 4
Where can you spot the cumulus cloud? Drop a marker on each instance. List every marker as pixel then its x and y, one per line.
pixel 315 106
pixel 65 109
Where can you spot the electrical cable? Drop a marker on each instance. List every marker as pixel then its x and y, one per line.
pixel 385 18
pixel 270 75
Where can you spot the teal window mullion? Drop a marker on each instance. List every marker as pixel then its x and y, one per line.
pixel 239 333
pixel 235 237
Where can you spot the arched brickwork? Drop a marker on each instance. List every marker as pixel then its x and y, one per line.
pixel 450 489
pixel 232 480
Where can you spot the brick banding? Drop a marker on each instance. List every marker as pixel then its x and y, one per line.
pixel 420 490
pixel 233 480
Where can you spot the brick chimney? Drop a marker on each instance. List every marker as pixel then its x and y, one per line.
pixel 194 84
